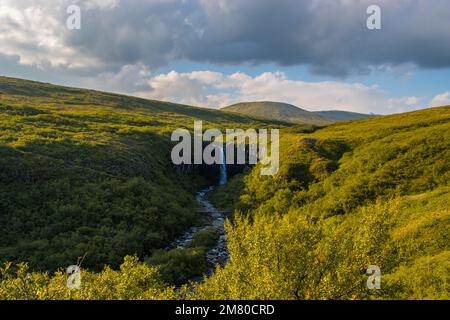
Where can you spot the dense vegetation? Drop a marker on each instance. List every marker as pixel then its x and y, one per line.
pixel 179 265
pixel 350 195
pixel 290 113
pixel 347 196
pixel 89 173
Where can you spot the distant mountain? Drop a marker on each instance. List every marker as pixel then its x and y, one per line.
pixel 278 110
pixel 342 115
pixel 291 113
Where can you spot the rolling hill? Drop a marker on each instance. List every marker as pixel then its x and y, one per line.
pixel 83 171
pixel 368 192
pixel 291 113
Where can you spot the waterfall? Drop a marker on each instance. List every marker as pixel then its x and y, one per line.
pixel 223 167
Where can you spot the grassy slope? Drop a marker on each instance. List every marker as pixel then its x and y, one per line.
pixel 404 154
pixel 89 172
pixel 372 191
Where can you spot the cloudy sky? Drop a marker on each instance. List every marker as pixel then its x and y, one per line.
pixel 316 54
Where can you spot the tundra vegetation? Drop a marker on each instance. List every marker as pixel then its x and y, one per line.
pixel 85 173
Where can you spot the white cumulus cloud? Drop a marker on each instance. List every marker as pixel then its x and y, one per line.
pixel 441 100
pixel 215 90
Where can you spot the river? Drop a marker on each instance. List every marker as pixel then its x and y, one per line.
pixel 218 253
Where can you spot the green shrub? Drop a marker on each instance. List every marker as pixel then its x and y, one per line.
pixel 178 266
pixel 205 238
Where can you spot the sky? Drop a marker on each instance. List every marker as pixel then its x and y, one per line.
pixel 315 54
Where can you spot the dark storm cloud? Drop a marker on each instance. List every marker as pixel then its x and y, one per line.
pixel 329 36
pixel 152 32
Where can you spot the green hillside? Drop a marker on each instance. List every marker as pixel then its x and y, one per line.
pixel 90 172
pixel 375 191
pixel 291 113
pixel 84 171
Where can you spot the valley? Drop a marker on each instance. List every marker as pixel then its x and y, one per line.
pixel 88 173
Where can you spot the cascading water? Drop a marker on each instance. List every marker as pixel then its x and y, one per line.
pixel 223 168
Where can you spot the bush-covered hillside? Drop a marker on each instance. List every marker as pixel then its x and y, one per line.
pixel 341 167
pixel 89 173
pixel 372 192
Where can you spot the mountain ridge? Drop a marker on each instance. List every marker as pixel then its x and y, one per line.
pixel 291 113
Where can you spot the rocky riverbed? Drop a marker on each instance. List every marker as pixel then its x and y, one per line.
pixel 217 254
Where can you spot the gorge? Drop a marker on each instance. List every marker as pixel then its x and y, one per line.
pixel 215 219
